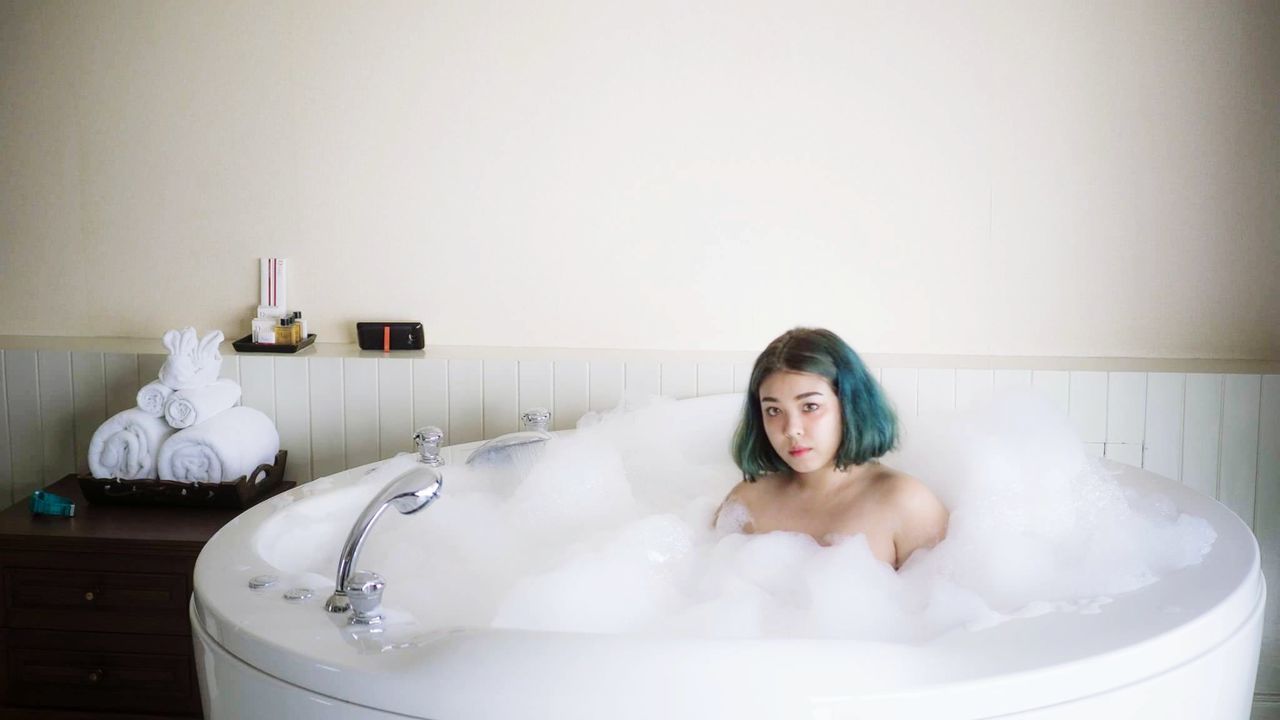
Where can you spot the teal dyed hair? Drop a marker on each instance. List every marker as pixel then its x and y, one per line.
pixel 870 428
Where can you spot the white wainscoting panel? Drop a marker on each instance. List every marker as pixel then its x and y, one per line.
pixel 466 401
pixel 431 394
pixel 57 414
pixel 607 381
pixel 360 401
pixel 741 376
pixel 973 387
pixel 334 413
pixel 122 381
pixel 714 379
pixel 230 368
pixel 501 397
pixel 679 380
pixel 1201 433
pixel 1217 432
pixel 258 384
pixel 1088 404
pixel 1055 385
pixel 936 391
pixel 643 379
pixel 902 387
pixel 1238 466
pixel 22 387
pixel 89 388
pixel 6 456
pixel 149 368
pixel 328 417
pixel 395 407
pixel 537 377
pixel 1267 528
pixel 1162 452
pixel 1005 378
pixel 1126 408
pixel 293 415
pixel 572 381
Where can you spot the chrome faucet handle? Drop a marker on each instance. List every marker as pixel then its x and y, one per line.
pixel 537 418
pixel 364 591
pixel 427 441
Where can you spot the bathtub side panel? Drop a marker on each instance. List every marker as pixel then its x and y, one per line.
pixel 232 690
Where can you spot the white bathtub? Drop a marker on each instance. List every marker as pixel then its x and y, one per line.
pixel 1186 646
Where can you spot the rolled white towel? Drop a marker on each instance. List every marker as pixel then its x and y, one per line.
pixel 224 447
pixel 192 362
pixel 152 397
pixel 195 405
pixel 126 445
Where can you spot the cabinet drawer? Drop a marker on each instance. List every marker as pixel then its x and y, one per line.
pixel 139 682
pixel 68 599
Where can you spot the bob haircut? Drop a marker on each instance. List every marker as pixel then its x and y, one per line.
pixel 869 427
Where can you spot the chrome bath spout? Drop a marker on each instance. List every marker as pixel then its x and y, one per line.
pixel 409 492
pixel 502 448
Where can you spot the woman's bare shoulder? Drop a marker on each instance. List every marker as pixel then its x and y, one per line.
pixel 762 486
pixel 750 496
pixel 747 493
pixel 908 492
pixel 922 518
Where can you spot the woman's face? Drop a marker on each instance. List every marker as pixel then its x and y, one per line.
pixel 802 419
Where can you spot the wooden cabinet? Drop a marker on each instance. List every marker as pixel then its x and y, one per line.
pixel 93 610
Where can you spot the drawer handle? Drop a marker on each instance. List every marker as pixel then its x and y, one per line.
pixel 88 597
pixel 95 676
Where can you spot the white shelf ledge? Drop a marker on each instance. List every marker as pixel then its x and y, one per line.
pixel 139 346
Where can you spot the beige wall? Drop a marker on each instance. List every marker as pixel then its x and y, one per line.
pixel 1048 178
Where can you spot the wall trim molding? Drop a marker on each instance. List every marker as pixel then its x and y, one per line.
pixel 142 346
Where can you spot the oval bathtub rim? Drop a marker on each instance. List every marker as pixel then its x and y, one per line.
pixel 241 641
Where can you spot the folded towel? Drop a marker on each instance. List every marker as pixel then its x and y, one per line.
pixel 224 447
pixel 194 405
pixel 126 445
pixel 152 397
pixel 191 363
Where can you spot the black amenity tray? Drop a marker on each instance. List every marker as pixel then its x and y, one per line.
pixel 247 345
pixel 239 494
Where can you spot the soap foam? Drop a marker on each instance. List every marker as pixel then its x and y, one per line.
pixel 611 530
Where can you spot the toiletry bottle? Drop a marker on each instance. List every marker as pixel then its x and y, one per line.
pixel 296 326
pixel 284 332
pixel 302 325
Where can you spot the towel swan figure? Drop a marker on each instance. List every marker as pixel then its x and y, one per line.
pixel 192 362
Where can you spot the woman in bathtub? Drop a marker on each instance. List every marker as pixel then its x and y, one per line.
pixel 814 423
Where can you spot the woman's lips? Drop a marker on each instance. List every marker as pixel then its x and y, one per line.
pixel 797 452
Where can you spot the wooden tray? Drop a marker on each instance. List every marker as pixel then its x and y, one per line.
pixel 247 345
pixel 242 493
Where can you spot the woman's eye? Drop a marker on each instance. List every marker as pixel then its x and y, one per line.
pixel 771 411
pixel 810 407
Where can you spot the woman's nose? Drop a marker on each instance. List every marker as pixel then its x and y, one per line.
pixel 793 429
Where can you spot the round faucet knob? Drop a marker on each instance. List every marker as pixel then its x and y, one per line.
pixel 536 418
pixel 364 591
pixel 427 441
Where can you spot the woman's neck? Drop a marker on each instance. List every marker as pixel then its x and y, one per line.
pixel 827 480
